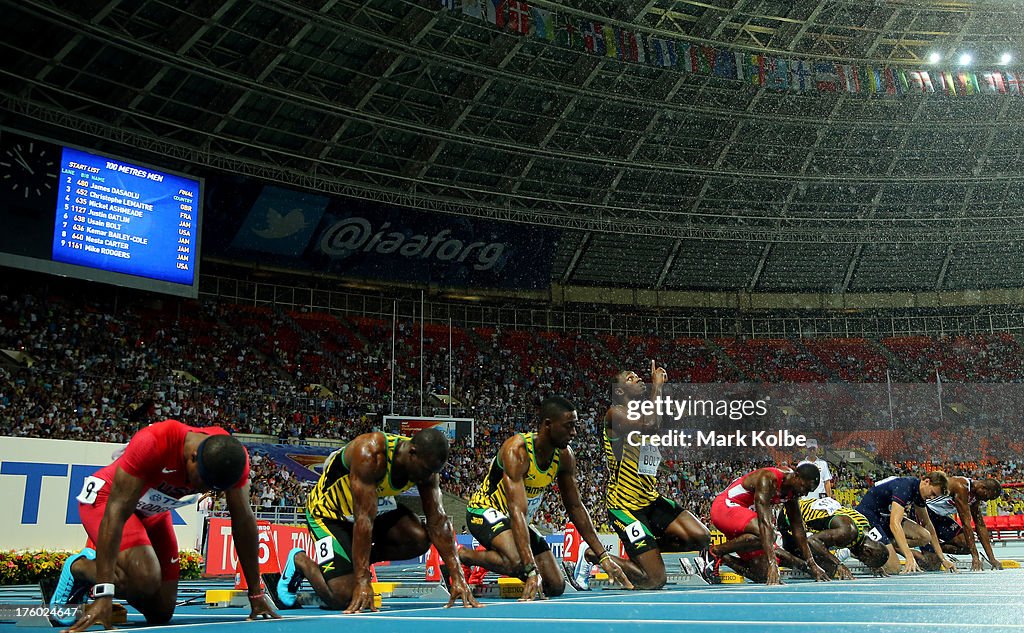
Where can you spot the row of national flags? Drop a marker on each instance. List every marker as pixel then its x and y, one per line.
pixel 772 72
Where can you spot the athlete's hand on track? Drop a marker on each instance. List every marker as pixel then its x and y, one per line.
pixel 615 573
pixel 658 374
pixel 818 573
pixel 843 573
pixel 773 577
pixel 362 598
pixel 879 572
pixel 261 608
pixel 949 565
pixel 99 612
pixel 996 564
pixel 533 589
pixel 461 590
pixel 910 567
pixel 976 564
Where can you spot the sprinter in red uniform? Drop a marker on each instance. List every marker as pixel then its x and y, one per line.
pixel 126 511
pixel 744 513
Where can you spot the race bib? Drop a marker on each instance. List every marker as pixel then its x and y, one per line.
pixel 90 488
pixel 826 504
pixel 635 532
pixel 153 502
pixel 324 550
pixel 532 505
pixel 874 534
pixel 648 461
pixel 492 516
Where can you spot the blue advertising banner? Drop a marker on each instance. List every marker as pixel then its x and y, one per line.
pixel 374 241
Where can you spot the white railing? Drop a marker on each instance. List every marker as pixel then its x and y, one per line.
pixel 615 321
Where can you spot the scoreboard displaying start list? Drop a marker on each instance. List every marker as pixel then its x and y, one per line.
pixel 76 212
pixel 124 218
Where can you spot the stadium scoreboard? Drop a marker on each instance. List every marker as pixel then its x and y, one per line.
pixel 95 216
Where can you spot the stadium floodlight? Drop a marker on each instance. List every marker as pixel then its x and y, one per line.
pixel 934 58
pixel 1005 59
pixel 965 59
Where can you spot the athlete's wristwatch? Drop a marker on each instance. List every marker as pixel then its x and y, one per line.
pixel 530 570
pixel 103 590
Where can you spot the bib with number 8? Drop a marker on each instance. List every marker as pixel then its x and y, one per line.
pixel 324 550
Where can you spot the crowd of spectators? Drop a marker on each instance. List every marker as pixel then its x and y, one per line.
pixel 99 368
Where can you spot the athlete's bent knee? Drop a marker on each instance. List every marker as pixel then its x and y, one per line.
pixel 654 580
pixel 554 590
pixel 158 616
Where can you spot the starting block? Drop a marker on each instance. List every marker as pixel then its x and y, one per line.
pixel 508 588
pixel 234 598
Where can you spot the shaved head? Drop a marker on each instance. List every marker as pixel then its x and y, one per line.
pixel 431 445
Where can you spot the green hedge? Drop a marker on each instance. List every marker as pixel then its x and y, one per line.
pixel 27 567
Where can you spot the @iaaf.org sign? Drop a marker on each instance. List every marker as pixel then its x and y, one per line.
pixel 352 235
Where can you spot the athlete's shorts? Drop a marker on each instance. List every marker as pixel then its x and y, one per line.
pixel 639 530
pixel 156 531
pixel 879 527
pixel 731 520
pixel 340 533
pixel 485 524
pixel 945 527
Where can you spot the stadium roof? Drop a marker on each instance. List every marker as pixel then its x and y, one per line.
pixel 663 171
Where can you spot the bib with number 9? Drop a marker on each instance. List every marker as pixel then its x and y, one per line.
pixel 90 488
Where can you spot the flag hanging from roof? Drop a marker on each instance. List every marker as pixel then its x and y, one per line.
pixel 600 46
pixel 587 28
pixel 903 87
pixel 1012 83
pixel 641 47
pixel 663 52
pixel 518 17
pixel 611 41
pixel 567 32
pixel 946 85
pixel 892 83
pixel 702 59
pixel 475 8
pixel 800 75
pixel 776 73
pixel 849 78
pixel 759 70
pixel 496 10
pixel 998 84
pixel 756 69
pixel 826 78
pixel 725 66
pixel 966 83
pixel 542 24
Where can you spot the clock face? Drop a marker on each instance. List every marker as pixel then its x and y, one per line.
pixel 28 168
